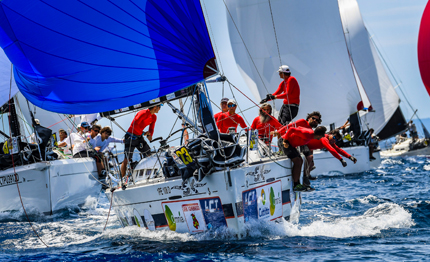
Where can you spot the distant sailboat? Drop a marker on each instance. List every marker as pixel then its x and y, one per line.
pixel 409 146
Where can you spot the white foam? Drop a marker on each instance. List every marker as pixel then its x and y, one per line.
pixel 381 217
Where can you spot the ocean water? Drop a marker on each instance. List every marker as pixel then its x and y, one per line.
pixel 383 215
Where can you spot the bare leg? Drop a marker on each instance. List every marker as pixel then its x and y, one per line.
pixel 297 166
pixel 99 168
pixel 123 167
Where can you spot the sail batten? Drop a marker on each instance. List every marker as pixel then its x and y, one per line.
pixel 83 57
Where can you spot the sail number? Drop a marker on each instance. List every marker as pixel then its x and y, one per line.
pixel 184 155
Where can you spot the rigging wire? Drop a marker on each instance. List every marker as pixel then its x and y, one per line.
pixel 243 41
pixel 398 83
pixel 14 170
pixel 274 30
pixel 111 198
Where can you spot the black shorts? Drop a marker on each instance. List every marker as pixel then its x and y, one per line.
pixel 287 113
pixel 291 152
pixel 88 153
pixel 305 150
pixel 138 143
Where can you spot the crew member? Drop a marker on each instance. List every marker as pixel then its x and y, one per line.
pixel 312 121
pixel 64 143
pixel 101 142
pixel 329 142
pixel 265 123
pixel 84 145
pixel 230 119
pixel 299 136
pixel 288 90
pixel 224 109
pixel 134 139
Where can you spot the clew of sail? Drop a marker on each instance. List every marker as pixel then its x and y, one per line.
pixel 311 42
pixel 80 57
pixel 383 97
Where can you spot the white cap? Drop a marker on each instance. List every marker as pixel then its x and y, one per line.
pixel 231 101
pixel 37 121
pixel 284 69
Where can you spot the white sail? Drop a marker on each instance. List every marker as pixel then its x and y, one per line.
pixel 51 120
pixel 311 42
pixel 370 69
pixel 6 90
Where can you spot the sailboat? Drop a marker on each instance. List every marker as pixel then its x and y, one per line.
pixel 405 146
pixel 125 56
pixel 47 182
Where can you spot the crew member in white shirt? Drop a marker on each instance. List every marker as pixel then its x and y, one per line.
pixel 64 143
pixel 83 143
pixel 101 142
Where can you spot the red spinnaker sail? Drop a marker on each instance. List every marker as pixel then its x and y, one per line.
pixel 424 48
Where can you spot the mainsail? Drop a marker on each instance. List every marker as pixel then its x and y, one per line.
pixel 311 42
pixel 80 57
pixel 382 95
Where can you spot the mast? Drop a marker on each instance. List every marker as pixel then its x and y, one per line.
pixel 9 108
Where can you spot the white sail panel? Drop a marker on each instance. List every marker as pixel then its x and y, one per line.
pixel 53 121
pixel 311 43
pixel 6 90
pixel 370 69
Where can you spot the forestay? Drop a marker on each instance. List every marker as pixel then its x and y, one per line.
pixel 370 69
pixel 92 56
pixel 311 42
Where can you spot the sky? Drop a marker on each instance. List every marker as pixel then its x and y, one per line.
pixel 393 24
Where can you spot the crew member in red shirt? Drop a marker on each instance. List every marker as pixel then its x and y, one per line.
pixel 288 90
pixel 299 136
pixel 224 109
pixel 329 142
pixel 134 139
pixel 265 123
pixel 312 121
pixel 230 119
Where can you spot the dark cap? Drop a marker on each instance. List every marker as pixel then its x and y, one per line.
pixel 85 124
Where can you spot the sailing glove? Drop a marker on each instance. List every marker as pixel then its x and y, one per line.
pixel 353 159
pixel 343 163
pixel 263 101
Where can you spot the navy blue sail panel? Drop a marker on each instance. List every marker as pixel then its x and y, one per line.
pixel 81 57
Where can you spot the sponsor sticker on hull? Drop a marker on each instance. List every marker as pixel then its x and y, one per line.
pixel 194 216
pixel 263 202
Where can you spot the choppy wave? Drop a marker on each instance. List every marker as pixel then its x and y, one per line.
pixel 389 203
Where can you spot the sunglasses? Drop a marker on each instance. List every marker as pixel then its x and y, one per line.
pixel 316 119
pixel 97 131
pixel 233 105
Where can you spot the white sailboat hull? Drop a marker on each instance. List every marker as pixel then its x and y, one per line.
pixel 223 199
pixel 49 186
pixel 325 162
pixel 403 149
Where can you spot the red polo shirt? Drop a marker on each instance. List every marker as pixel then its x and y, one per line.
pixel 298 136
pixel 226 120
pixel 142 119
pixel 289 91
pixel 329 145
pixel 264 129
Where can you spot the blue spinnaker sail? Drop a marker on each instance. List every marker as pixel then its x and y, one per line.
pixel 81 57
